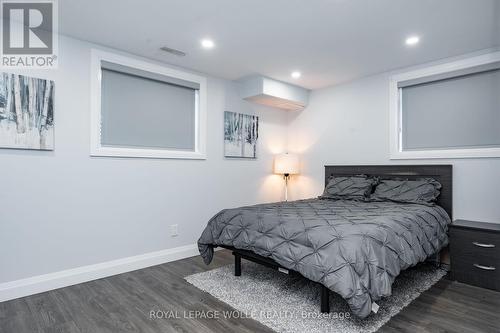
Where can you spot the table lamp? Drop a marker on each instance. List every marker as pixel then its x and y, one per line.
pixel 286 165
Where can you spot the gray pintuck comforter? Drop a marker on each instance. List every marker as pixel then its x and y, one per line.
pixel 354 248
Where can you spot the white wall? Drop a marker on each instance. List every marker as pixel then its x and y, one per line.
pixel 64 209
pixel 349 124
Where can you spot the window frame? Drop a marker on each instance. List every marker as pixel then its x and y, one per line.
pixel 97 149
pixel 396 144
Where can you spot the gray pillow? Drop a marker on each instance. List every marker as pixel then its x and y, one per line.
pixel 421 191
pixel 350 188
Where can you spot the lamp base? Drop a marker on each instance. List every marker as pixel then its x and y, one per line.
pixel 287 177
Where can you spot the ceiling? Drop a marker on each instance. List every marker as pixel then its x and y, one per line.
pixel 329 41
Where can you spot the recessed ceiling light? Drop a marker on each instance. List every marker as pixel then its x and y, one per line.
pixel 207 43
pixel 296 74
pixel 412 40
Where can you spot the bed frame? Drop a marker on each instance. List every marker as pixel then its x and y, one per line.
pixel 442 173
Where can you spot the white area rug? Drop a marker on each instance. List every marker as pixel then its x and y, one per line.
pixel 288 304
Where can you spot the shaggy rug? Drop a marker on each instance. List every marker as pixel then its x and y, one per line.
pixel 287 304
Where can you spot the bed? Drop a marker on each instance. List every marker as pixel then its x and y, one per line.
pixel 350 247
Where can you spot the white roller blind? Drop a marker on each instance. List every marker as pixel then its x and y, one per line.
pixel 146 112
pixel 460 112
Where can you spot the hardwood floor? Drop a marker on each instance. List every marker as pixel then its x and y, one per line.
pixel 122 303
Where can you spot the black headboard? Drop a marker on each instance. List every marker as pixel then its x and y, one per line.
pixel 441 172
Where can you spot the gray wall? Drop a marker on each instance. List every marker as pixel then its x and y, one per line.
pixel 64 209
pixel 349 124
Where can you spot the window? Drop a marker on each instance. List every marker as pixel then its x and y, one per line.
pixel 145 110
pixel 447 111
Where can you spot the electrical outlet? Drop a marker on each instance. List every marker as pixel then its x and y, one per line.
pixel 174 230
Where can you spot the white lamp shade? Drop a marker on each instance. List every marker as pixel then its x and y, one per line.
pixel 286 163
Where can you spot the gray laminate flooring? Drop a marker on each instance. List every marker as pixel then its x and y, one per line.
pixel 122 303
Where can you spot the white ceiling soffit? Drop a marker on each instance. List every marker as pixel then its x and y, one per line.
pixel 329 41
pixel 266 91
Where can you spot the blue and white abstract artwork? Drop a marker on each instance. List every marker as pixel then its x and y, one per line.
pixel 241 132
pixel 26 112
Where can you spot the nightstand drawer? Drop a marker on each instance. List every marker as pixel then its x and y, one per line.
pixel 475 244
pixel 481 274
pixel 475 254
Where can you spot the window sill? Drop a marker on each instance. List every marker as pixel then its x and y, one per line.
pixel 446 154
pixel 146 153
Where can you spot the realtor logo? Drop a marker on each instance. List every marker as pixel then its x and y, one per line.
pixel 29 34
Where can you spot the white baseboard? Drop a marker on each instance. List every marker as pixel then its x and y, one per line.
pixel 41 283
